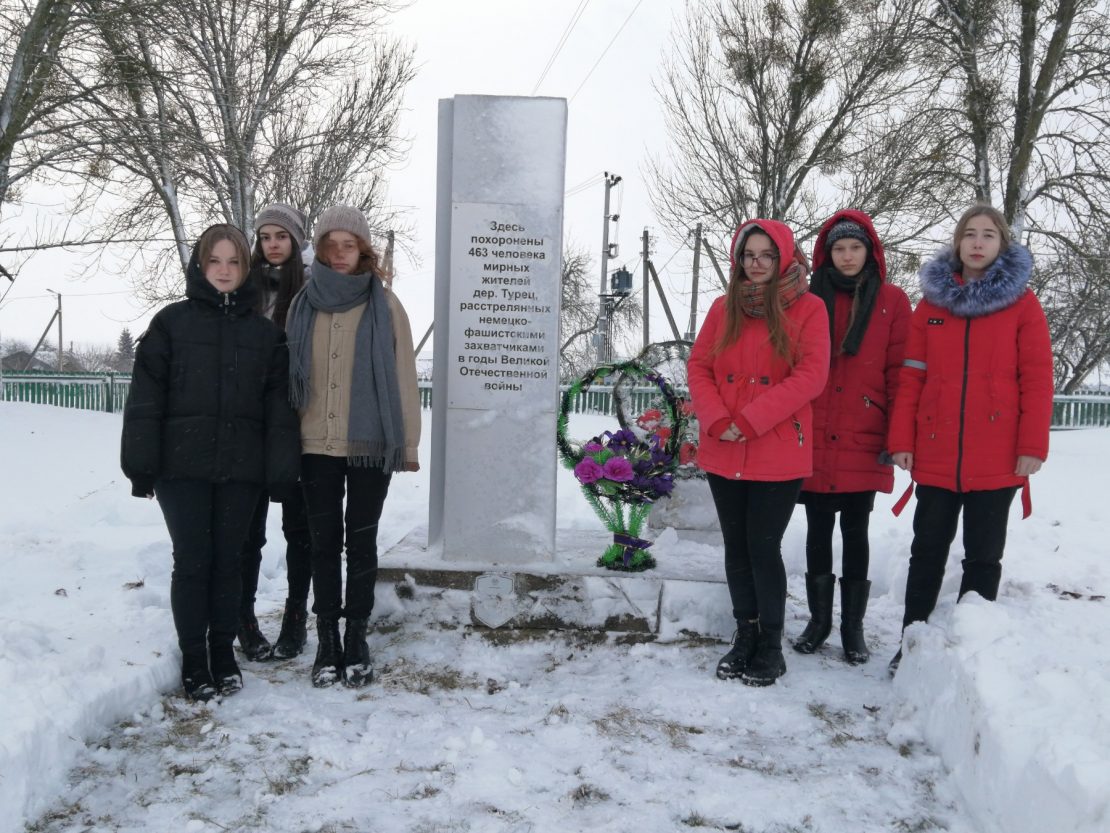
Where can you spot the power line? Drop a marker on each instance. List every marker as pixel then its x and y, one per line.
pixel 574 18
pixel 605 52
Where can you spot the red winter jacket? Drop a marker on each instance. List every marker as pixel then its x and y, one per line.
pixel 851 413
pixel 747 383
pixel 976 386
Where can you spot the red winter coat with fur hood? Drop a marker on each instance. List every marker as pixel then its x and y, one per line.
pixel 976 385
pixel 748 384
pixel 852 412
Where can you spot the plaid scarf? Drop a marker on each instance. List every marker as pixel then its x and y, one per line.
pixel 792 286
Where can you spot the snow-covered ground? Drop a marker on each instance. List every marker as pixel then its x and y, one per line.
pixel 996 722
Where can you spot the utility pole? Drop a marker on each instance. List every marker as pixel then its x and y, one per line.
pixel 59 316
pixel 602 335
pixel 647 287
pixel 694 288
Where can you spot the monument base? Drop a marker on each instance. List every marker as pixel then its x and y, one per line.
pixel 684 597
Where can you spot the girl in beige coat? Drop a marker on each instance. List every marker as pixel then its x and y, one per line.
pixel 353 381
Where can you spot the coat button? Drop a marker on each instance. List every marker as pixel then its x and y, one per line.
pixel 331 416
pixel 835 437
pixel 335 325
pixel 334 385
pixel 839 389
pixel 327 447
pixel 335 355
pixel 738 475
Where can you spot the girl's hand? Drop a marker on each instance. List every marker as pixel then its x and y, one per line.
pixel 903 460
pixel 411 467
pixel 1027 465
pixel 732 434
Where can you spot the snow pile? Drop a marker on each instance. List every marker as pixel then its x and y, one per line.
pixel 570 731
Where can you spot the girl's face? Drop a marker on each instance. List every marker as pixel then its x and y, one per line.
pixel 224 269
pixel 760 258
pixel 277 244
pixel 979 246
pixel 341 252
pixel 848 256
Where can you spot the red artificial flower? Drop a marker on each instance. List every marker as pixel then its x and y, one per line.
pixel 687 453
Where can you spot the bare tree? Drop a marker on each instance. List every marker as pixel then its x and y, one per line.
pixel 791 109
pixel 213 109
pixel 578 316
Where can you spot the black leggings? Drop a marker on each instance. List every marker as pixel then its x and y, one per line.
pixel 819 542
pixel 207 523
pixel 325 480
pixel 934 529
pixel 754 515
pixel 298 549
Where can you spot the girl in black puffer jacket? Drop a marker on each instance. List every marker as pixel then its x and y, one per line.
pixel 207 426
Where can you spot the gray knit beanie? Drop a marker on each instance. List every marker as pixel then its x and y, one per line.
pixel 847 228
pixel 340 218
pixel 289 218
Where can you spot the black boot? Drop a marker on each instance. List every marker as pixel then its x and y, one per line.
pixel 853 605
pixel 225 670
pixel 294 631
pixel 768 663
pixel 254 645
pixel 357 670
pixel 195 676
pixel 819 594
pixel 892 666
pixel 328 667
pixel 733 663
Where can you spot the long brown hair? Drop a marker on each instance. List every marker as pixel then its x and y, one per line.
pixel 781 340
pixel 289 284
pixel 368 260
pixel 982 209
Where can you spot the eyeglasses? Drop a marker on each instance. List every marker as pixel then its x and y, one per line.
pixel 764 260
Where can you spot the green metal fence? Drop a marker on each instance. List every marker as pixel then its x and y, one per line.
pixel 108 391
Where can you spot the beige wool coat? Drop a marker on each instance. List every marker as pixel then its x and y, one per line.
pixel 325 419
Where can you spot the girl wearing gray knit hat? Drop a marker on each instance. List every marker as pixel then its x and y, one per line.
pixel 353 380
pixel 278 272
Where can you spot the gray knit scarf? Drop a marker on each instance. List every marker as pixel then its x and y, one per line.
pixel 375 429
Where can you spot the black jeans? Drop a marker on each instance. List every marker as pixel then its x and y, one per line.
pixel 208 523
pixel 856 557
pixel 324 480
pixel 754 516
pixel 934 530
pixel 298 549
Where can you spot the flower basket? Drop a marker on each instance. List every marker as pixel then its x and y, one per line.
pixel 623 472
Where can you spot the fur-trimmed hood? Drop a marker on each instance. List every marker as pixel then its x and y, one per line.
pixel 1003 284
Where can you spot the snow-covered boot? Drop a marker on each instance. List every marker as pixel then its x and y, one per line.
pixel 892 666
pixel 819 595
pixel 768 664
pixel 328 668
pixel 225 670
pixel 357 669
pixel 853 605
pixel 733 663
pixel 195 676
pixel 254 645
pixel 294 630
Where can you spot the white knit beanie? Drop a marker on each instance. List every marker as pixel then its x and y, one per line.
pixel 341 218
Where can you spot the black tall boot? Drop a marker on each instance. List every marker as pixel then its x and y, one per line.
pixel 819 595
pixel 254 645
pixel 357 669
pixel 328 668
pixel 768 664
pixel 294 630
pixel 195 676
pixel 733 663
pixel 225 670
pixel 853 605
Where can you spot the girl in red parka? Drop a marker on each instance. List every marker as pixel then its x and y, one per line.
pixel 761 356
pixel 974 405
pixel 868 320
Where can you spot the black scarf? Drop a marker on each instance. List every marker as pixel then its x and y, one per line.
pixel 827 281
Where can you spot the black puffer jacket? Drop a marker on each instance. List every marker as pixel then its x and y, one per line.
pixel 209 395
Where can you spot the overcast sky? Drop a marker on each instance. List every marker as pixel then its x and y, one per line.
pixel 489 47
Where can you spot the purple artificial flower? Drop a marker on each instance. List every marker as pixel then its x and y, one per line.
pixel 592 447
pixel 617 469
pixel 620 440
pixel 663 484
pixel 641 466
pixel 659 456
pixel 588 471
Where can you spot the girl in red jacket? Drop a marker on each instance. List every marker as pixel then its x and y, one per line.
pixel 868 320
pixel 974 405
pixel 761 356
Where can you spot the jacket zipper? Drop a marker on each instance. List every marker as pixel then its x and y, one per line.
pixel 801 437
pixel 868 402
pixel 963 406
